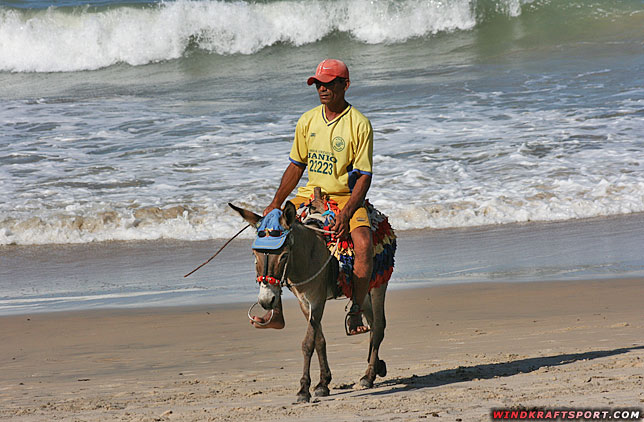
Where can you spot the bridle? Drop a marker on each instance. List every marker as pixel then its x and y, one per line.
pixel 271 280
pixel 268 280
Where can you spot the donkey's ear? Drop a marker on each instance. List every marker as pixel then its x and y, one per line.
pixel 249 216
pixel 289 215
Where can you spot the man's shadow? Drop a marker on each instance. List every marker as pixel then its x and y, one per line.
pixel 490 370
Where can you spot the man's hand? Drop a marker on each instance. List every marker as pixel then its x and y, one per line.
pixel 268 209
pixel 341 226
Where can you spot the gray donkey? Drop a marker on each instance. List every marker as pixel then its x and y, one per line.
pixel 304 264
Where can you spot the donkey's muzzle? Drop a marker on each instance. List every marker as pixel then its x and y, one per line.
pixel 268 303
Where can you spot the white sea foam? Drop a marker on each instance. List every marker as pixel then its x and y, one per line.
pixel 457 205
pixel 85 224
pixel 445 193
pixel 433 169
pixel 59 39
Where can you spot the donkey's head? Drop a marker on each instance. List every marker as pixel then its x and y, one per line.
pixel 271 249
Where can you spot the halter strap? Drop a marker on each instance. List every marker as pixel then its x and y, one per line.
pixel 269 279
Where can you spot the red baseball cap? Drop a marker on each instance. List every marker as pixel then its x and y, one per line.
pixel 328 70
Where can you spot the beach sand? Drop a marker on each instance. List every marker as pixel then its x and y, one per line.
pixel 453 352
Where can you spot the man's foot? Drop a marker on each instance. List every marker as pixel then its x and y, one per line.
pixel 272 319
pixel 353 322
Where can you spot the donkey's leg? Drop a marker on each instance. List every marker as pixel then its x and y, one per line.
pixel 379 305
pixel 367 311
pixel 376 366
pixel 308 346
pixel 381 367
pixel 322 389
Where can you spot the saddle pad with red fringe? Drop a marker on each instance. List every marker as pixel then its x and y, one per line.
pixel 384 245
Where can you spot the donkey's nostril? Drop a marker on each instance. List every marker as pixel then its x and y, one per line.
pixel 273 303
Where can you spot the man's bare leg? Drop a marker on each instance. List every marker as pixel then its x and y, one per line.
pixel 362 269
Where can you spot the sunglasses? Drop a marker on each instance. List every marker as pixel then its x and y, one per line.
pixel 270 233
pixel 328 85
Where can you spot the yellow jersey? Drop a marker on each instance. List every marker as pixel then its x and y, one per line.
pixel 333 151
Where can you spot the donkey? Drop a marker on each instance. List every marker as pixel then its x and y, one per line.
pixel 310 272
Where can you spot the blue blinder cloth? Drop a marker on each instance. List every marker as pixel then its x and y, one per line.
pixel 270 234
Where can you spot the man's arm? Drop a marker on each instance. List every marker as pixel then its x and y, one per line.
pixel 290 178
pixel 356 200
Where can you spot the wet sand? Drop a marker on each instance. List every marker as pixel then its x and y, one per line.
pixel 453 352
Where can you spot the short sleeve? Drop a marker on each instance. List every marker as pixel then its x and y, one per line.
pixel 363 161
pixel 299 149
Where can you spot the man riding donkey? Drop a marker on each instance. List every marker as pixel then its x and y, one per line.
pixel 335 142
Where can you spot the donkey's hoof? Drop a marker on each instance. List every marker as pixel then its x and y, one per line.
pixel 321 391
pixel 365 382
pixel 303 397
pixel 381 369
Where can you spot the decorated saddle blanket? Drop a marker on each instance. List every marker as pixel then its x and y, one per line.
pixel 384 244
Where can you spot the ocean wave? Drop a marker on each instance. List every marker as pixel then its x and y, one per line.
pixel 106 224
pixel 563 200
pixel 88 38
pixel 102 34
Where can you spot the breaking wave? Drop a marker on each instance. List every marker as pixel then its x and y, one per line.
pixel 65 39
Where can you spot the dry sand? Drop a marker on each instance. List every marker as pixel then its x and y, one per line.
pixel 453 353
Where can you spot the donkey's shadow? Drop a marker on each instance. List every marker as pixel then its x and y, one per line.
pixel 490 370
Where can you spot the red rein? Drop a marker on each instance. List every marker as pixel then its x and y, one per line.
pixel 268 279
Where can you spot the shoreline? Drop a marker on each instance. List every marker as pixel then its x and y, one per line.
pixel 150 273
pixel 453 350
pixel 290 298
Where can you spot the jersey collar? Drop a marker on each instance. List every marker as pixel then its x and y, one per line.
pixel 329 123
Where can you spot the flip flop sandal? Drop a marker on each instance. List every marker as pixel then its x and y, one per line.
pixel 354 315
